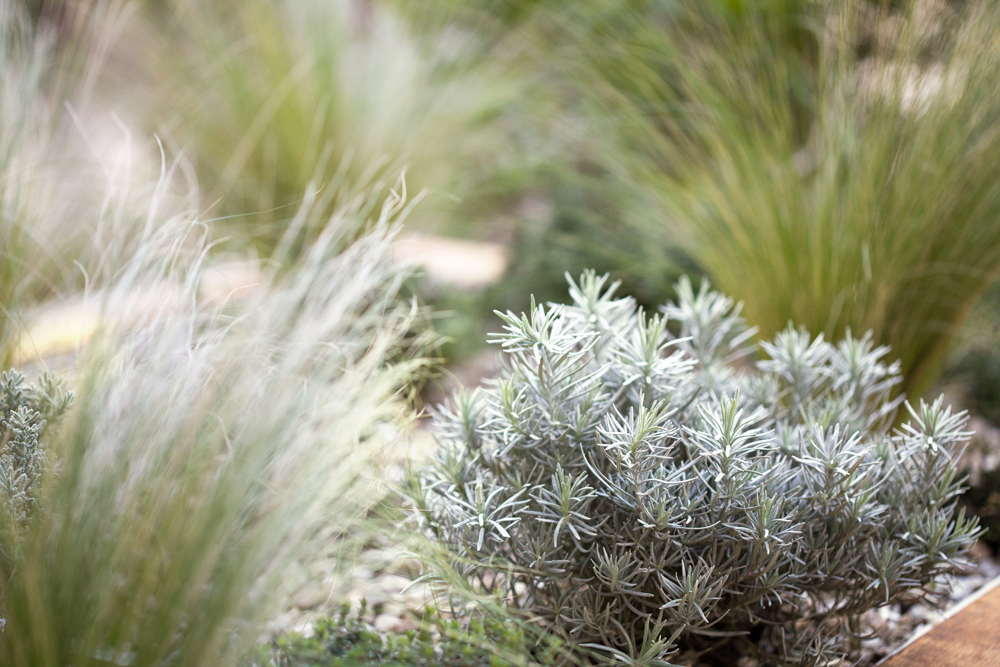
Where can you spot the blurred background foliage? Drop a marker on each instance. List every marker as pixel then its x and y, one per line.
pixel 337 95
pixel 829 163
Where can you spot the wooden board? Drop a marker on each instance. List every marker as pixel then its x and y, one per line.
pixel 970 638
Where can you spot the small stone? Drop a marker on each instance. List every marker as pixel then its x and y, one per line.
pixel 393 583
pixel 376 596
pixel 323 568
pixel 308 598
pixel 408 623
pixel 920 613
pixel 980 551
pixel 361 574
pixel 890 613
pixel 965 586
pixel 407 567
pixel 377 542
pixel 281 623
pixel 386 623
pixel 872 621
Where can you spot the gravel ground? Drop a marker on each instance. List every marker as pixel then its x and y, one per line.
pixel 382 574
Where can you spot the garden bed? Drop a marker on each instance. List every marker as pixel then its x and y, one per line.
pixel 962 632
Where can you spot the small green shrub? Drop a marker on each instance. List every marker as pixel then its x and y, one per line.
pixel 983 500
pixel 646 493
pixel 349 640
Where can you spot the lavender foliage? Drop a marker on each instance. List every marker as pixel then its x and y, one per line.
pixel 25 413
pixel 653 485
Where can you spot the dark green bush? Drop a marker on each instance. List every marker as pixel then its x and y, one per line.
pixel 983 500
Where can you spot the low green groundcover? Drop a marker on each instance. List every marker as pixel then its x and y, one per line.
pixel 349 640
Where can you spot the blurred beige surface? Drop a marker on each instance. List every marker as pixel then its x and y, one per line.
pixel 61 327
pixel 463 264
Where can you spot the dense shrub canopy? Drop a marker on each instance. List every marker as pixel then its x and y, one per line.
pixel 645 485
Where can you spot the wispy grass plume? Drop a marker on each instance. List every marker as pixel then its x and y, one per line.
pixel 208 440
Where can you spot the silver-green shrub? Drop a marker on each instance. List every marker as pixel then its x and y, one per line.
pixel 645 486
pixel 25 413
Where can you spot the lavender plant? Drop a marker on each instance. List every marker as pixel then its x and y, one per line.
pixel 26 411
pixel 643 485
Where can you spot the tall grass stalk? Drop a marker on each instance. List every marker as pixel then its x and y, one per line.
pixel 208 441
pixel 832 164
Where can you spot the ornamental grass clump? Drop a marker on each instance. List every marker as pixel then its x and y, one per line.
pixel 212 444
pixel 648 487
pixel 829 163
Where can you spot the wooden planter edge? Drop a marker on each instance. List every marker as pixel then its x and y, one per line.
pixel 943 617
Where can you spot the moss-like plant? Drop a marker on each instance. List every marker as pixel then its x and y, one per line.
pixel 350 640
pixel 647 492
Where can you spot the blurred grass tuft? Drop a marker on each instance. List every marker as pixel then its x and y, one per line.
pixel 208 443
